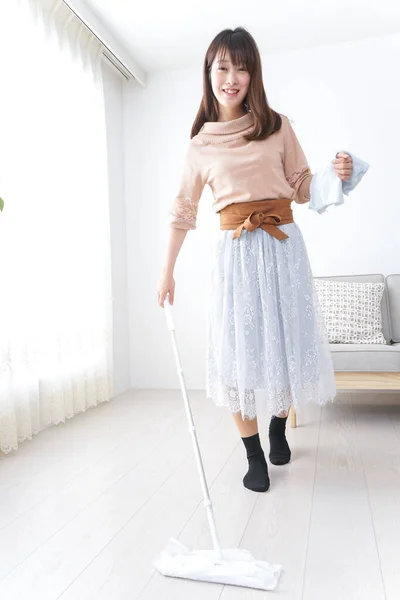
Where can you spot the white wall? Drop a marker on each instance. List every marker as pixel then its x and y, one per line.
pixel 113 89
pixel 339 97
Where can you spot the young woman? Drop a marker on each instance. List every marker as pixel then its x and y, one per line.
pixel 265 331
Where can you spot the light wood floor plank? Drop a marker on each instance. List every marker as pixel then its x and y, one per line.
pixel 377 430
pixel 342 558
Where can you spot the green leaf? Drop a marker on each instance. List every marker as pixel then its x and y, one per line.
pixel 1 203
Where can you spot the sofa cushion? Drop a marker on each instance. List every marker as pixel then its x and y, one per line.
pixel 393 287
pixel 366 357
pixel 352 311
pixel 373 278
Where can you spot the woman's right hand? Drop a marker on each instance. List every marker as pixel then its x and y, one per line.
pixel 166 283
pixel 166 287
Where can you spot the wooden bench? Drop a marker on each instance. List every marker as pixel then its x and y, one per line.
pixel 360 381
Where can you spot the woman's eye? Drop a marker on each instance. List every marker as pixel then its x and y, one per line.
pixel 223 68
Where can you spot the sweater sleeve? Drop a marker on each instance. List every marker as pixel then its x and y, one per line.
pixel 295 165
pixel 183 211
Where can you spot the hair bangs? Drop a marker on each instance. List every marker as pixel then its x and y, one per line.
pixel 239 51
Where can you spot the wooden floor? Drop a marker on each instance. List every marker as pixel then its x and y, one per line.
pixel 86 506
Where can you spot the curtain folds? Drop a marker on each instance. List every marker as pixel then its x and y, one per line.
pixel 55 256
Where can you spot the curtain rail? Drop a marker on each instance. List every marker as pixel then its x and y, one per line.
pixel 129 72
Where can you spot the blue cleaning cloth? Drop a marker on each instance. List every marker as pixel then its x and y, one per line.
pixel 327 188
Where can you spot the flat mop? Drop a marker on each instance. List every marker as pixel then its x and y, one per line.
pixel 232 567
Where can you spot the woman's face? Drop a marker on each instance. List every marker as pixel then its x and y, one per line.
pixel 225 76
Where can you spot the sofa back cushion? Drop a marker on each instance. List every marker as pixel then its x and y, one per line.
pixel 393 287
pixel 373 278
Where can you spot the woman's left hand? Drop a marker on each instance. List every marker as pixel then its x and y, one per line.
pixel 343 165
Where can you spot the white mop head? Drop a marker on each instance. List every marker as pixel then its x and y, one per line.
pixel 237 568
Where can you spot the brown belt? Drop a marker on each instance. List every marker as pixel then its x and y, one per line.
pixel 266 214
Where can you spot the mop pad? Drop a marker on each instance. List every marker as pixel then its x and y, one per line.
pixel 231 567
pixel 237 567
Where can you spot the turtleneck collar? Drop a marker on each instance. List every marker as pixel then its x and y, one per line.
pixel 217 131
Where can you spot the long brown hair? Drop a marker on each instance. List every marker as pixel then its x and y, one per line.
pixel 244 51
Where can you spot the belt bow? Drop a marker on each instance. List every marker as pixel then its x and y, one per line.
pixel 267 222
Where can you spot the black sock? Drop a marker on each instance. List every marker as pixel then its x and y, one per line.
pixel 256 479
pixel 279 448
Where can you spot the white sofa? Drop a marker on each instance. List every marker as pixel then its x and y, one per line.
pixel 370 366
pixel 374 357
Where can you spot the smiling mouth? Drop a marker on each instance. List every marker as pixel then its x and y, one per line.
pixel 230 93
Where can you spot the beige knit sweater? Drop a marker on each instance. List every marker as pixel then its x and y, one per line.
pixel 238 170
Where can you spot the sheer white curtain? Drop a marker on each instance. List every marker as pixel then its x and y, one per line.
pixel 55 266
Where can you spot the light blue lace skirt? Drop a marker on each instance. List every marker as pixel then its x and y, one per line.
pixel 266 332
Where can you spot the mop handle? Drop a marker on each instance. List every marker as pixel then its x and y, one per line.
pixel 192 429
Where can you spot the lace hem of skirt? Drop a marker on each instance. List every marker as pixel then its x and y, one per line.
pixel 229 398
